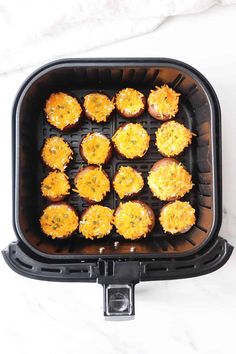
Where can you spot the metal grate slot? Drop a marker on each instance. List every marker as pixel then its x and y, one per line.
pixel 104 75
pixel 205 206
pixel 201 228
pixel 193 89
pixel 139 75
pixel 171 246
pixel 205 189
pixel 189 240
pixel 116 75
pixel 164 245
pixel 177 82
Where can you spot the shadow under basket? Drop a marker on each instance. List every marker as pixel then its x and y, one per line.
pixel 116 263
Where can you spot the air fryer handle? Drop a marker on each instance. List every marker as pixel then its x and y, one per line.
pixel 118 301
pixel 118 279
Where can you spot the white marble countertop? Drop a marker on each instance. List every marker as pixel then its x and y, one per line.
pixel 180 316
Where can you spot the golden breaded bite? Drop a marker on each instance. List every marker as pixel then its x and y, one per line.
pixel 134 219
pixel 55 186
pixel 177 217
pixel 56 153
pixel 95 148
pixel 172 138
pixel 130 103
pixel 96 222
pixel 63 111
pixel 169 180
pixel 92 184
pixel 127 182
pixel 98 107
pixel 131 140
pixel 163 103
pixel 59 220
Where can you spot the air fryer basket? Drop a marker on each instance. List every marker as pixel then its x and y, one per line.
pixel 114 260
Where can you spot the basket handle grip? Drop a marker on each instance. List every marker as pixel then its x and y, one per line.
pixel 118 302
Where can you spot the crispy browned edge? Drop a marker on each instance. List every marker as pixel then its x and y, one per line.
pixel 86 112
pixel 130 195
pixel 84 169
pixel 177 233
pixel 55 169
pixel 162 153
pixel 109 155
pixel 149 210
pixel 71 208
pixel 165 161
pixel 87 209
pixel 135 115
pixel 118 151
pixel 69 127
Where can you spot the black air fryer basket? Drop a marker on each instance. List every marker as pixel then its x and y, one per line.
pixel 116 263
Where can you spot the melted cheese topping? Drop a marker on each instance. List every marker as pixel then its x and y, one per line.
pixel 129 101
pixel 96 148
pixel 62 110
pixel 132 220
pixel 164 100
pixel 170 180
pixel 177 217
pixel 172 138
pixel 98 106
pixel 56 153
pixel 127 181
pixel 92 184
pixel 131 140
pixel 59 220
pixel 56 184
pixel 96 222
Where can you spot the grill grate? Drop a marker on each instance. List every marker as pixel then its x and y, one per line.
pixel 143 165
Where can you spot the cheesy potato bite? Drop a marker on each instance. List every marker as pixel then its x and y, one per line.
pixel 95 148
pixel 59 220
pixel 172 138
pixel 134 219
pixel 127 182
pixel 98 107
pixel 169 180
pixel 163 103
pixel 130 103
pixel 56 153
pixel 92 184
pixel 63 111
pixel 177 217
pixel 96 222
pixel 55 186
pixel 131 140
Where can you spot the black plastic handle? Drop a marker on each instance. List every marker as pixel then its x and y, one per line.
pixel 28 264
pixel 118 277
pixel 109 272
